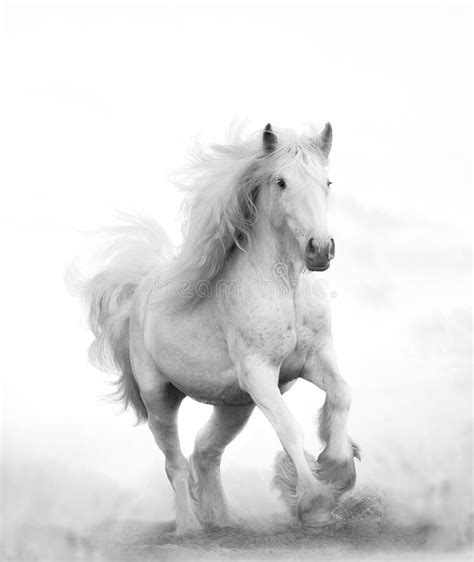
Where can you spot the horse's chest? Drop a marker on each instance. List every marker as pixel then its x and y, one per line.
pixel 312 327
pixel 278 331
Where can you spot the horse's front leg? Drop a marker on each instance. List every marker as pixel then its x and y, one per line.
pixel 336 461
pixel 315 500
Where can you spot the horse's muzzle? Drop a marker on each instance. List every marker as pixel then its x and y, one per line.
pixel 318 256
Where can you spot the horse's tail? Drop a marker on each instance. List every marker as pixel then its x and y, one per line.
pixel 136 248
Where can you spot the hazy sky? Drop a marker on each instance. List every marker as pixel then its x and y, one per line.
pixel 99 104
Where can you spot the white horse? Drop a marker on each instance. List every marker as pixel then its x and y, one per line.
pixel 232 321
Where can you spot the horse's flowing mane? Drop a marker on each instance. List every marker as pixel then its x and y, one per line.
pixel 221 186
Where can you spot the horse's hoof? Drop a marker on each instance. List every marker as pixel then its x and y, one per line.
pixel 190 527
pixel 317 520
pixel 223 522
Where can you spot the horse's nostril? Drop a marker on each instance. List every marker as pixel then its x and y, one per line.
pixel 311 246
pixel 331 249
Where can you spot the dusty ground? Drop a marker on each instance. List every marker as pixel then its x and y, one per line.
pixel 361 532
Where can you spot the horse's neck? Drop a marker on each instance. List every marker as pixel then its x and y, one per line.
pixel 273 254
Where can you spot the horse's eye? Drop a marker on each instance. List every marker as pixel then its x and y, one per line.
pixel 329 183
pixel 281 183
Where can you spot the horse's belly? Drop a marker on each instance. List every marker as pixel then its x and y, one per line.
pixel 204 379
pixel 217 389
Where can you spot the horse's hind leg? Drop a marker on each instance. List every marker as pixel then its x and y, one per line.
pixel 162 401
pixel 225 424
pixel 162 420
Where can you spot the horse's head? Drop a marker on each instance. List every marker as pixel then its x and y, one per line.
pixel 297 188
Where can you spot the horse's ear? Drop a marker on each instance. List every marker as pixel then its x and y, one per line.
pixel 269 139
pixel 324 140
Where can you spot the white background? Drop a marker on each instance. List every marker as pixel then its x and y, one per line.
pixel 100 103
